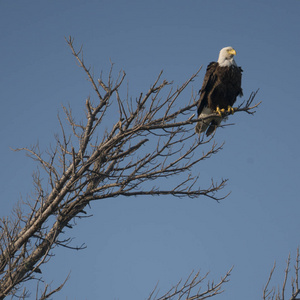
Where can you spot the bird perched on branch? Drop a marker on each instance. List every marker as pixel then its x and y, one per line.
pixel 220 88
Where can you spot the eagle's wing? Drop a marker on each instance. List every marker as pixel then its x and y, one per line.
pixel 239 81
pixel 209 80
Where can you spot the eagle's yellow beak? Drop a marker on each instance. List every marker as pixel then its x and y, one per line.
pixel 232 51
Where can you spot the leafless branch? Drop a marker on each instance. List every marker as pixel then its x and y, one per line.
pixel 191 288
pixel 269 294
pixel 281 293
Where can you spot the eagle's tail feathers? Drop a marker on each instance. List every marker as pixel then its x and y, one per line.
pixel 201 127
pixel 213 126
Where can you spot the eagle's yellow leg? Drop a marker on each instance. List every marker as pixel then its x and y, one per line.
pixel 230 110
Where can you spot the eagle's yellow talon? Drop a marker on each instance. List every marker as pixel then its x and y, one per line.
pixel 230 110
pixel 218 111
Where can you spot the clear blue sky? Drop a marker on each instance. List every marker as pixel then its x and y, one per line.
pixel 134 243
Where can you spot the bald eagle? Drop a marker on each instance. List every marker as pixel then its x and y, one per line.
pixel 220 88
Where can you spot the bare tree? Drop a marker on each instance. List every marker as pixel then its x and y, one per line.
pixel 122 147
pixel 280 293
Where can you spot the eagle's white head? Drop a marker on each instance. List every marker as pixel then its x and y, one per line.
pixel 226 57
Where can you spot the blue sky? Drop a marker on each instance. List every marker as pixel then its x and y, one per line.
pixel 135 243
